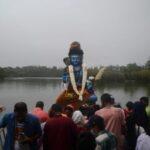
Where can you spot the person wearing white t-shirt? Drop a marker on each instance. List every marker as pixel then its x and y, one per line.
pixel 143 141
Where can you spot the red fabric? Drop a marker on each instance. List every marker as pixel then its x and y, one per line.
pixel 81 129
pixel 41 114
pixel 127 112
pixel 60 133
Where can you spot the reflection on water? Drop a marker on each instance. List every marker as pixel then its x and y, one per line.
pixel 128 87
pixel 123 92
pixel 31 90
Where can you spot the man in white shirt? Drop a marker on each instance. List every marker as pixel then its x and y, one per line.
pixel 143 141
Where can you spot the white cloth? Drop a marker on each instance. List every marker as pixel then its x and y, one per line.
pixel 77 117
pixel 143 142
pixel 139 130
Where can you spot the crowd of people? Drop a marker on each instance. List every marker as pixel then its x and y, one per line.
pixel 91 127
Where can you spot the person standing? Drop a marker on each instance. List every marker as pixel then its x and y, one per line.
pixel 105 140
pixel 60 133
pixel 23 129
pixel 39 112
pixel 114 119
pixel 86 141
pixel 143 141
pixel 140 115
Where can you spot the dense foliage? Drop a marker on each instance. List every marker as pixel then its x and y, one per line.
pixel 2 73
pixel 33 71
pixel 130 72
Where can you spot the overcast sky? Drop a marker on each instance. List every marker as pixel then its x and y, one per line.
pixel 39 32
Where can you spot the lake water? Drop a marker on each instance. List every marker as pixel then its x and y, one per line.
pixel 31 90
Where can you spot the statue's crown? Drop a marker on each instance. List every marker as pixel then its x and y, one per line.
pixel 75 48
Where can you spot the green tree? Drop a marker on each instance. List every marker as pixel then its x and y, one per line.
pixel 147 64
pixel 2 73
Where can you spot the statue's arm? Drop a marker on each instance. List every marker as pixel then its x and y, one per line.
pixel 65 78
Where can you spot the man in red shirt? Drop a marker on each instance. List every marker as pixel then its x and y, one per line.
pixel 60 133
pixel 39 112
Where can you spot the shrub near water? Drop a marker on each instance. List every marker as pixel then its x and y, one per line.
pixel 130 72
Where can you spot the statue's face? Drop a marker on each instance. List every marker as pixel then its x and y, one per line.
pixel 76 60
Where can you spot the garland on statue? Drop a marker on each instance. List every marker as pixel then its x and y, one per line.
pixel 73 82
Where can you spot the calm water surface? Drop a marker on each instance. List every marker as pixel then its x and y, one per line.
pixel 31 90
